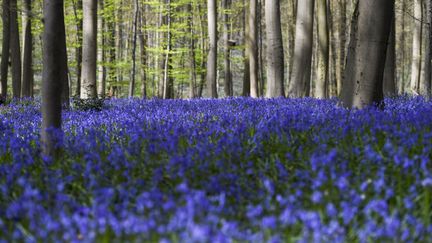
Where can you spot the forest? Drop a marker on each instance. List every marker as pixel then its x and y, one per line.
pixel 216 121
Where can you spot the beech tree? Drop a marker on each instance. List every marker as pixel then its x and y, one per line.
pixel 275 58
pixel 301 70
pixel 363 81
pixel 322 82
pixel 27 78
pixel 15 51
pixel 54 73
pixel 5 47
pixel 416 47
pixel 212 53
pixel 252 47
pixel 88 73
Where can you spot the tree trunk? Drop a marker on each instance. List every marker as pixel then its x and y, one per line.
pixel 168 83
pixel 134 45
pixel 275 59
pixel 28 51
pixel 5 47
pixel 143 50
pixel 192 56
pixel 322 82
pixel 15 51
pixel 340 67
pixel 54 74
pixel 212 54
pixel 363 83
pixel 389 79
pixel 301 71
pixel 252 48
pixel 101 52
pixel 78 49
pixel 425 86
pixel 416 47
pixel 227 58
pixel 88 75
pixel 401 84
pixel 246 63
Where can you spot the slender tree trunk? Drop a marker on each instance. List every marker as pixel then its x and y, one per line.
pixel 363 83
pixel 425 86
pixel 143 50
pixel 15 51
pixel 301 71
pixel 101 51
pixel 192 56
pixel 401 83
pixel 78 5
pixel 417 47
pixel 322 82
pixel 54 73
pixel 134 45
pixel 168 84
pixel 342 44
pixel 389 79
pixel 252 48
pixel 203 47
pixel 333 50
pixel 226 40
pixel 275 59
pixel 28 51
pixel 212 54
pixel 88 76
pixel 5 47
pixel 119 48
pixel 246 63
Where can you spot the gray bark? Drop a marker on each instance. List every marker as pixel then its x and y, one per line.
pixel 245 35
pixel 54 73
pixel 322 82
pixel 301 70
pixel 212 53
pixel 252 48
pixel 5 47
pixel 101 53
pixel 78 50
pixel 15 51
pixel 425 85
pixel 134 45
pixel 27 79
pixel 275 59
pixel 389 80
pixel 370 31
pixel 88 75
pixel 416 47
pixel 227 59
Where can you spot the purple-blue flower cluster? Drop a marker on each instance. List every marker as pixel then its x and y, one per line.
pixel 272 170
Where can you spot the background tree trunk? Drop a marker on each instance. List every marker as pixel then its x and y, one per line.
pixel 212 54
pixel 425 86
pixel 15 51
pixel 27 79
pixel 366 59
pixel 417 47
pixel 252 48
pixel 142 34
pixel 101 50
pixel 389 80
pixel 227 56
pixel 78 5
pixel 322 83
pixel 301 71
pixel 5 47
pixel 54 73
pixel 88 75
pixel 134 45
pixel 275 59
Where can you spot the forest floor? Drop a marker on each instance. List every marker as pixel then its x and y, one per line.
pixel 278 170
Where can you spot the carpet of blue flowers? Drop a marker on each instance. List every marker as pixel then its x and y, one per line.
pixel 225 170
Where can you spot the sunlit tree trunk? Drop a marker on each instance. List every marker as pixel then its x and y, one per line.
pixel 301 70
pixel 275 59
pixel 252 47
pixel 101 52
pixel 226 41
pixel 363 82
pixel 425 86
pixel 88 75
pixel 324 50
pixel 416 47
pixel 212 53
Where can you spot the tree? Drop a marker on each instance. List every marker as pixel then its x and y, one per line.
pixel 88 75
pixel 275 59
pixel 322 82
pixel 363 81
pixel 5 47
pixel 252 47
pixel 425 86
pixel 134 47
pixel 15 51
pixel 78 5
pixel 227 52
pixel 212 53
pixel 301 70
pixel 27 79
pixel 54 73
pixel 389 79
pixel 416 47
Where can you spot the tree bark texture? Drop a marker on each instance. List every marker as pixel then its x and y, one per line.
pixel 212 53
